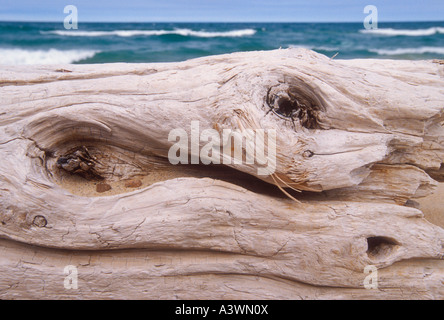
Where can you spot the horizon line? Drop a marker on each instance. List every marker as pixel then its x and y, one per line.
pixel 239 22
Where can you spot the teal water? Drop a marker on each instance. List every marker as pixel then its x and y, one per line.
pixel 35 43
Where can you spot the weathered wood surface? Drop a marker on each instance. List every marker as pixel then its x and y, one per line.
pixel 366 145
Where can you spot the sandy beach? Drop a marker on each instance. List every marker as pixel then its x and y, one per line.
pixel 433 206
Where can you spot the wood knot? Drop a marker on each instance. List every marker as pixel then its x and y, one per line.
pixel 381 247
pixel 295 104
pixel 79 161
pixel 39 221
pixel 308 154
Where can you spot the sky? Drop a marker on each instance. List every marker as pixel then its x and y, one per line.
pixel 222 10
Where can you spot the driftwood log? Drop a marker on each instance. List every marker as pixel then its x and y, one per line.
pixel 361 140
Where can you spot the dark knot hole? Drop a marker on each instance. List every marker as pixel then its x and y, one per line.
pixel 295 106
pixel 381 247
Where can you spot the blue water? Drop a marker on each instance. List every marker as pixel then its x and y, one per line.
pixel 32 43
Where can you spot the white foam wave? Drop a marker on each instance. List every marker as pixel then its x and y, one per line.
pixel 51 56
pixel 404 32
pixel 133 33
pixel 400 51
pixel 320 48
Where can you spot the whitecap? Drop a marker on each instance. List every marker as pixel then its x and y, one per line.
pixel 319 48
pixel 51 56
pixel 404 32
pixel 401 51
pixel 133 33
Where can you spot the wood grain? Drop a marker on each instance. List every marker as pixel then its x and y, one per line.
pixel 367 142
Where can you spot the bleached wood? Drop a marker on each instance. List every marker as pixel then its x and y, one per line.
pixel 377 136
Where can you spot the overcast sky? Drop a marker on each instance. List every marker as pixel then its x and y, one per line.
pixel 222 10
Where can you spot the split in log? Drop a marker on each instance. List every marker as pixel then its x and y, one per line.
pixel 85 179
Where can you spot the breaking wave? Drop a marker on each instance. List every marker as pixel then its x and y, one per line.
pixel 400 51
pixel 51 56
pixel 405 32
pixel 134 33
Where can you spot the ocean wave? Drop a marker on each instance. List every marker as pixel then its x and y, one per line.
pixel 400 51
pixel 319 48
pixel 133 33
pixel 405 32
pixel 51 56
